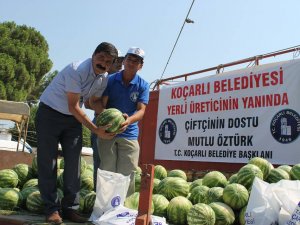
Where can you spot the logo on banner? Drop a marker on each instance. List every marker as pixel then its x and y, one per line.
pixel 285 126
pixel 167 131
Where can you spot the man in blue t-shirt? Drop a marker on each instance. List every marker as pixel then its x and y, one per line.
pixel 59 119
pixel 129 93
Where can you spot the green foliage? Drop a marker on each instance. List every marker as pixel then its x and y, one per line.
pixel 24 60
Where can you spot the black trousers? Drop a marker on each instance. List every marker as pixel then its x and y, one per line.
pixel 52 128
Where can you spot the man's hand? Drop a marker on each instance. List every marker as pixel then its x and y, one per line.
pixel 125 124
pixel 103 134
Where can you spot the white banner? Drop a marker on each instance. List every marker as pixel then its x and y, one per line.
pixel 232 117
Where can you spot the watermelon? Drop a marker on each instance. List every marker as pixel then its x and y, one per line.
pixel 264 165
pixel 137 182
pixel 224 214
pixel 178 209
pixel 214 179
pixel 111 116
pixel 8 178
pixel 60 180
pixel 242 215
pixel 235 195
pixel 160 172
pixel 24 173
pixel 138 170
pixel 233 178
pixel 161 204
pixel 277 174
pixel 86 181
pixel 90 167
pixel 34 202
pixel 177 173
pixel 199 194
pixel 247 174
pixel 25 192
pixel 201 214
pixel 195 183
pixel 155 185
pixel 286 168
pixel 9 198
pixel 89 201
pixel 171 187
pixel 31 183
pixel 295 172
pixel 215 194
pixel 34 166
pixel 132 202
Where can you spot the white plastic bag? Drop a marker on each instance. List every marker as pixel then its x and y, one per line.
pixel 124 216
pixel 111 191
pixel 271 204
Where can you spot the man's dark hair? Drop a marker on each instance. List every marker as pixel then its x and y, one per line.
pixel 108 48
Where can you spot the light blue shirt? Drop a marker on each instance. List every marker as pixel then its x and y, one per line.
pixel 125 98
pixel 77 77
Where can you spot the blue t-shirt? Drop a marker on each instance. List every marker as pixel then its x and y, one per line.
pixel 77 77
pixel 125 98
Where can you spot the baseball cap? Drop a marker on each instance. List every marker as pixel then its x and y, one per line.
pixel 136 51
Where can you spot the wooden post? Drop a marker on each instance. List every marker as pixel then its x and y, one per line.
pixel 145 201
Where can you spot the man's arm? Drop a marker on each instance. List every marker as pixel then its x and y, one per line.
pixel 79 114
pixel 96 104
pixel 137 116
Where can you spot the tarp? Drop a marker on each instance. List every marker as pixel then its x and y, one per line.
pixel 14 111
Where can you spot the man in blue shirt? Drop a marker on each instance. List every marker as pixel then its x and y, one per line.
pixel 59 119
pixel 129 93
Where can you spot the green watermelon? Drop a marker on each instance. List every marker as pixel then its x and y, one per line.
pixel 214 179
pixel 242 215
pixel 195 183
pixel 160 203
pixel 295 172
pixel 160 172
pixel 171 187
pixel 137 182
pixel 155 185
pixel 89 201
pixel 177 173
pixel 201 214
pixel 87 181
pixel 286 168
pixel 199 194
pixel 224 214
pixel 26 192
pixel 215 194
pixel 138 170
pixel 264 165
pixel 235 195
pixel 8 178
pixel 178 209
pixel 247 174
pixel 24 173
pixel 9 198
pixel 34 166
pixel 111 116
pixel 34 202
pixel 233 178
pixel 132 202
pixel 31 183
pixel 276 175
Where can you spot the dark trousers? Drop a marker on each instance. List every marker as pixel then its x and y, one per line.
pixel 96 157
pixel 52 128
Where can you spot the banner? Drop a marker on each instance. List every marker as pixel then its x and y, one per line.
pixel 233 116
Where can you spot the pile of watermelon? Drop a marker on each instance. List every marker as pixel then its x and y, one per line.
pixel 213 199
pixel 19 187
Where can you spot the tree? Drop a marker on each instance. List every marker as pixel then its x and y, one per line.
pixel 24 60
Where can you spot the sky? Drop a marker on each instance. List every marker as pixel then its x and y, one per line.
pixel 222 32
